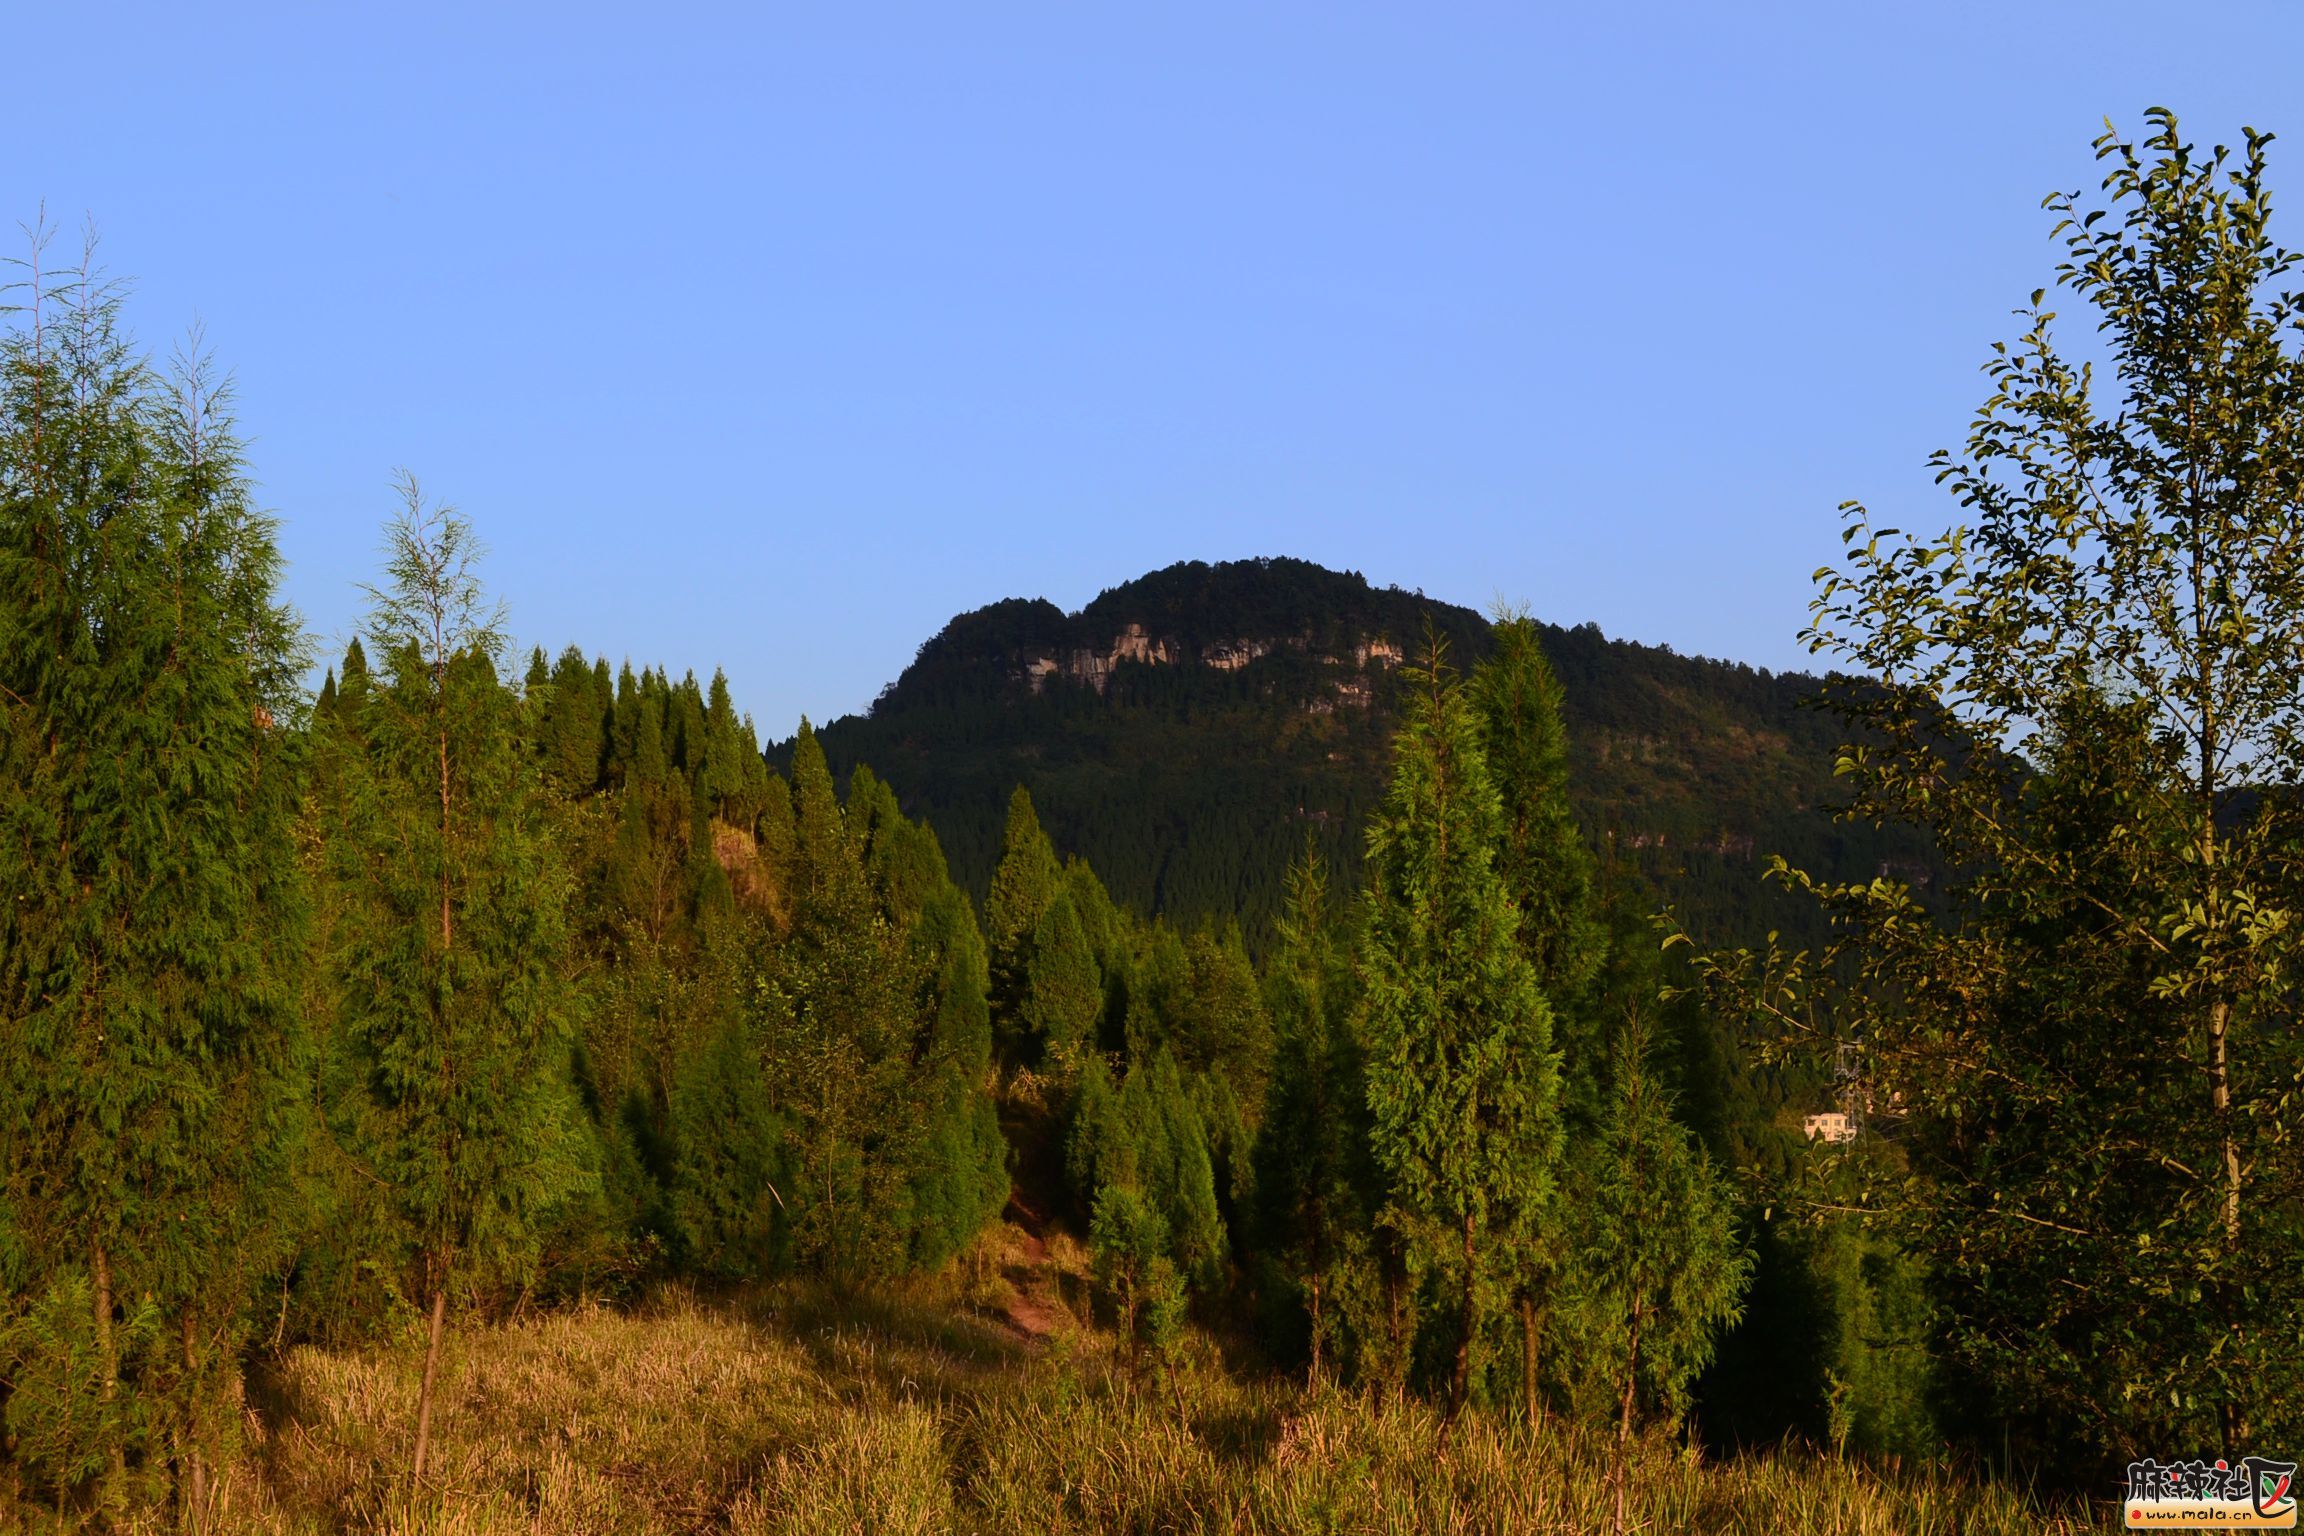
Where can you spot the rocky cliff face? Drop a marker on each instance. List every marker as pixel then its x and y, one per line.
pixel 1095 666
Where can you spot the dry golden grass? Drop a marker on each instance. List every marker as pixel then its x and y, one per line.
pixel 917 1409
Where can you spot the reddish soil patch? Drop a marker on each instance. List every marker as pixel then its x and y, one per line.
pixel 1038 1309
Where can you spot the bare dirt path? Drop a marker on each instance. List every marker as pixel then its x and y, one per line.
pixel 1037 1310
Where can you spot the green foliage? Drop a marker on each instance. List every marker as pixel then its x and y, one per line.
pixel 1880 1387
pixel 1540 854
pixel 729 1150
pixel 960 1178
pixel 1461 1078
pixel 573 724
pixel 876 1034
pixel 1022 888
pixel 836 1003
pixel 901 856
pixel 1145 1136
pixel 1063 998
pixel 64 1414
pixel 1127 1237
pixel 151 908
pixel 452 946
pixel 2087 699
pixel 1316 1182
pixel 1656 1269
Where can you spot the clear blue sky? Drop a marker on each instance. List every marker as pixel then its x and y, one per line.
pixel 772 336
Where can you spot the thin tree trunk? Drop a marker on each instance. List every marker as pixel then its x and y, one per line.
pixel 1528 1361
pixel 1395 1367
pixel 1624 1414
pixel 431 1372
pixel 2220 1076
pixel 2219 1021
pixel 1314 1379
pixel 108 1353
pixel 1463 1385
pixel 446 933
pixel 195 1465
pixel 2206 643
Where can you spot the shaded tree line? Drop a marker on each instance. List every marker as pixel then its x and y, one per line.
pixel 1432 1144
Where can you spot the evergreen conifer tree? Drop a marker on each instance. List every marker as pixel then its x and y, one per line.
pixel 151 910
pixel 1063 994
pixel 1462 1079
pixel 1540 854
pixel 1659 1270
pixel 960 1178
pixel 454 962
pixel 727 1204
pixel 1023 884
pixel 1548 873
pixel 1316 1187
pixel 571 726
pixel 839 1011
pixel 1145 1135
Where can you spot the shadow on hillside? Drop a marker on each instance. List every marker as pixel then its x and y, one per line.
pixel 885 1339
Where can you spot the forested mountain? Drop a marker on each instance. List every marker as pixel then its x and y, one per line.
pixel 1187 730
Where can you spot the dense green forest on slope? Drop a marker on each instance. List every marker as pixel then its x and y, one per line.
pixel 1194 726
pixel 464 992
pixel 471 988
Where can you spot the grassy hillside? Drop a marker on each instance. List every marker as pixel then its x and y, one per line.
pixel 941 1406
pixel 1187 731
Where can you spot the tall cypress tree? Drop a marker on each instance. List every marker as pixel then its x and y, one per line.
pixel 960 1178
pixel 1547 872
pixel 150 907
pixel 1063 994
pixel 570 728
pixel 454 959
pixel 1462 1079
pixel 148 896
pixel 1023 884
pixel 730 1150
pixel 720 776
pixel 838 1017
pixel 1659 1270
pixel 1315 1186
pixel 1540 854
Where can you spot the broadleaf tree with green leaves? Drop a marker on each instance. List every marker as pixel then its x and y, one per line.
pixel 2086 693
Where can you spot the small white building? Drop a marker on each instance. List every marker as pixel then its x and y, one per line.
pixel 1831 1127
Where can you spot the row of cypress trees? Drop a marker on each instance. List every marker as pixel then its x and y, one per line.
pixel 455 991
pixel 445 992
pixel 1438 1118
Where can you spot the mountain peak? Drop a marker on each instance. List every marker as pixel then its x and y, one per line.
pixel 1225 616
pixel 1189 730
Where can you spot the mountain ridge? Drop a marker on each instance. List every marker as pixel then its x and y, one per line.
pixel 1189 730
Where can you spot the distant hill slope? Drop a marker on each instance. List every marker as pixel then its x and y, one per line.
pixel 1186 731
